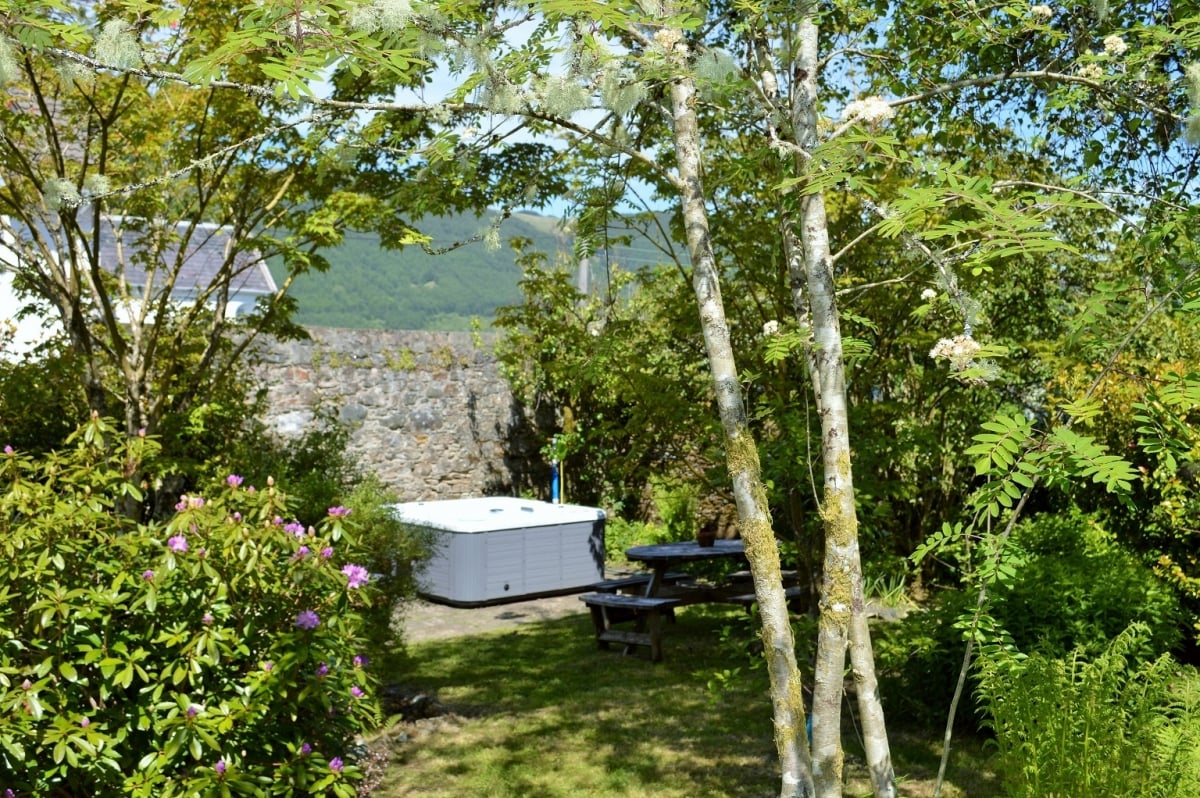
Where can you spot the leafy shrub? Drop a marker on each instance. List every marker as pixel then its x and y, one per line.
pixel 315 465
pixel 1073 586
pixel 620 534
pixel 919 658
pixel 391 552
pixel 1078 587
pixel 38 404
pixel 1099 727
pixel 676 501
pixel 214 654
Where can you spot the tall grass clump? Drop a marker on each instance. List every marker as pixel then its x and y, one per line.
pixel 1112 725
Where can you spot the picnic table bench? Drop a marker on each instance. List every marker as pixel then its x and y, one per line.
pixel 636 583
pixel 795 594
pixel 646 613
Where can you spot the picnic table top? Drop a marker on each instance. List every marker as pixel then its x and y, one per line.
pixel 685 551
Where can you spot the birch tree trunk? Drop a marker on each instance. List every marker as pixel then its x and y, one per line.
pixel 754 520
pixel 843 623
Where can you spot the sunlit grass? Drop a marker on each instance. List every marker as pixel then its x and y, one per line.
pixel 540 711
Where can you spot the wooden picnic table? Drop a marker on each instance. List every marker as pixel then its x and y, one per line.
pixel 663 591
pixel 617 601
pixel 663 557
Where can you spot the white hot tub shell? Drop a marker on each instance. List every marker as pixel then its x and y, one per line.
pixel 492 550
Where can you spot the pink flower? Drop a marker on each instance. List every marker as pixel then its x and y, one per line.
pixel 8 450
pixel 322 670
pixel 307 619
pixel 207 619
pixel 336 764
pixel 233 480
pixel 177 543
pixel 356 575
pixel 220 767
pixel 189 503
pixel 295 528
pixel 339 511
pixel 268 666
pixel 327 552
pixel 359 660
pixel 357 691
pixel 305 749
pixel 301 553
pixel 148 575
pixel 85 722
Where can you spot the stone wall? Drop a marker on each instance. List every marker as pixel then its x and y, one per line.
pixel 431 413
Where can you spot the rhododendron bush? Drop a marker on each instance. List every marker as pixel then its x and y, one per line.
pixel 216 654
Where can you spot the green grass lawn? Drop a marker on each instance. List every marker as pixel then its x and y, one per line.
pixel 540 711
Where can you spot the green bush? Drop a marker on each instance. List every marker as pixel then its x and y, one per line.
pixel 620 534
pixel 919 658
pixel 315 465
pixel 392 551
pixel 1078 587
pixel 676 503
pixel 214 654
pixel 1073 586
pixel 1103 726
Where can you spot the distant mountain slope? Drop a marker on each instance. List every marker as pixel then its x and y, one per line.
pixel 369 287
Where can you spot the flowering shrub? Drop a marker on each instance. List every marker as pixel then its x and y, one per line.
pixel 212 655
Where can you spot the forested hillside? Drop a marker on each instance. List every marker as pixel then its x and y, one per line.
pixel 369 287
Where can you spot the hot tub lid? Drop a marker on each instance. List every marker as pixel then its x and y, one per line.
pixel 486 514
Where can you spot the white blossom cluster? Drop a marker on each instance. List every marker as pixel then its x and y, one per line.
pixel 928 294
pixel 871 110
pixel 1114 45
pixel 1042 12
pixel 1092 72
pixel 771 328
pixel 959 350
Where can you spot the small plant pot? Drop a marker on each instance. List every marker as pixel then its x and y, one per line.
pixel 706 539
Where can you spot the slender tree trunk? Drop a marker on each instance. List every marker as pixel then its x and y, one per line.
pixel 843 623
pixel 754 520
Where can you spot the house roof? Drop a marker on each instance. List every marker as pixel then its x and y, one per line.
pixel 201 263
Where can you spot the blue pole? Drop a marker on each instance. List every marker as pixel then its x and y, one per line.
pixel 554 483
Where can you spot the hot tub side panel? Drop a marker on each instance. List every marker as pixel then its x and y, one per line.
pixel 511 564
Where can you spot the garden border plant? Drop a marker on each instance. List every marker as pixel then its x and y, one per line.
pixel 213 654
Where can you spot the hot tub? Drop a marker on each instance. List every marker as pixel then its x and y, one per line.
pixel 492 550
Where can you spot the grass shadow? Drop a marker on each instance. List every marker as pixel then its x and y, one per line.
pixel 539 710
